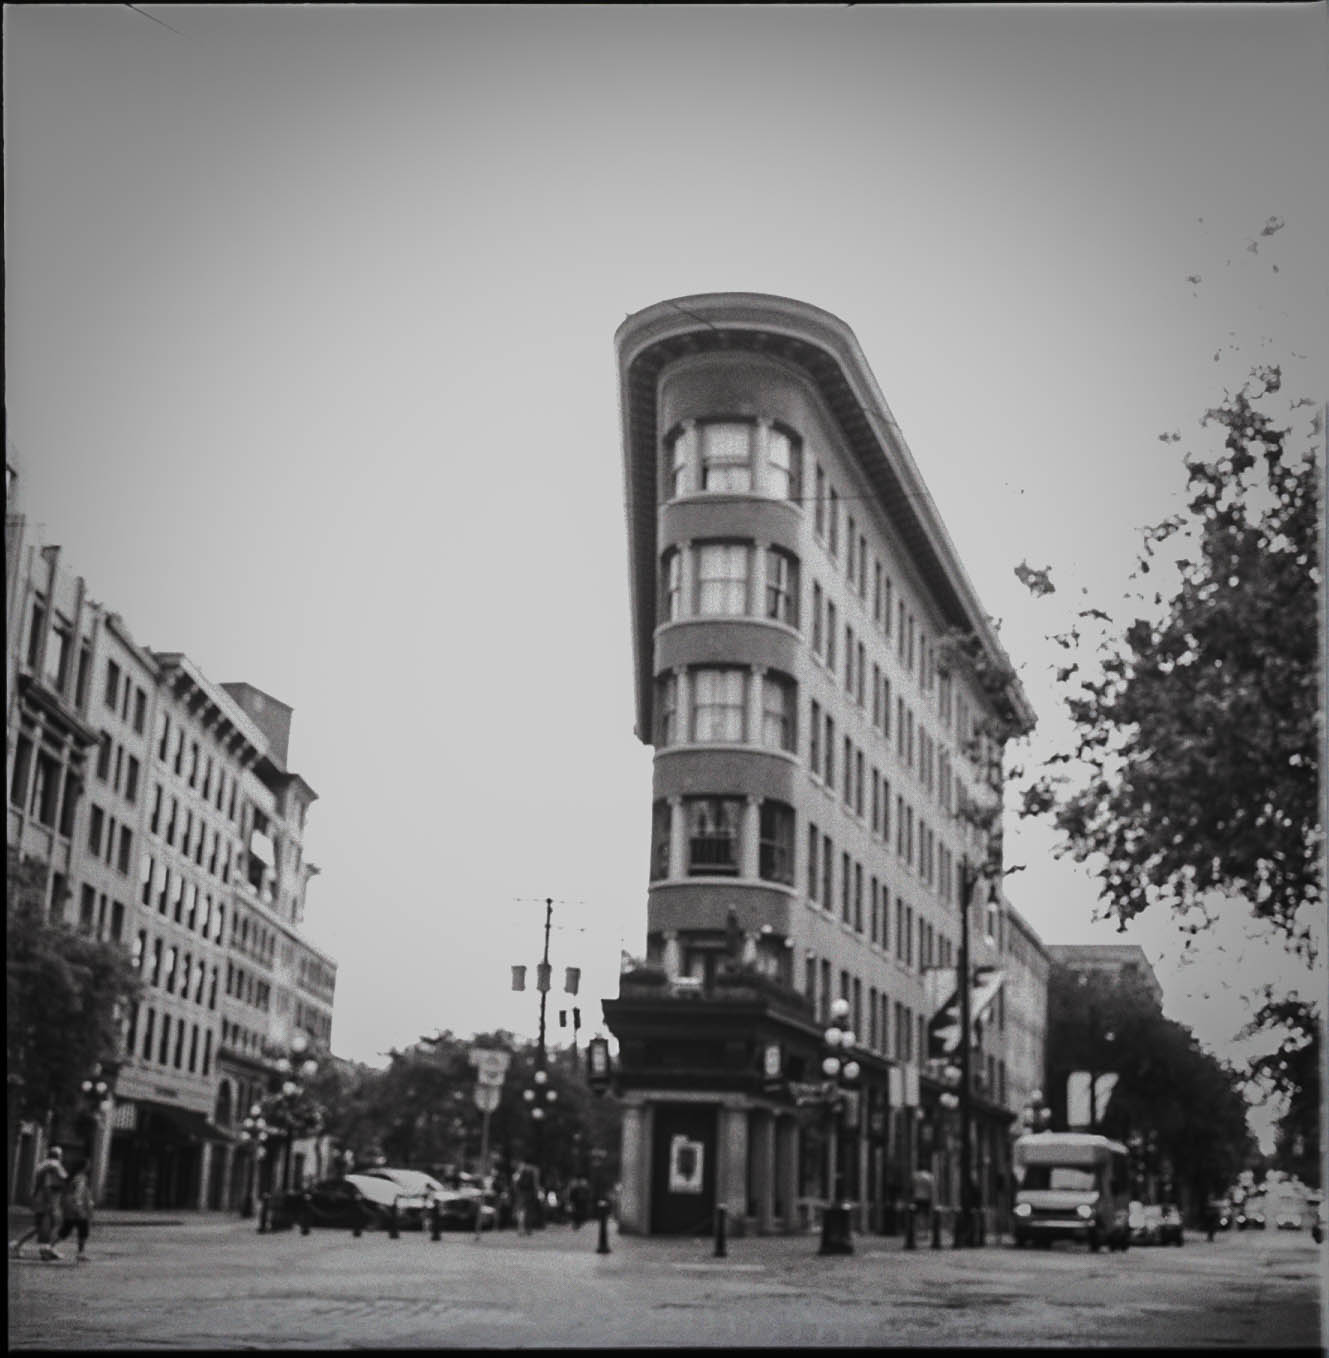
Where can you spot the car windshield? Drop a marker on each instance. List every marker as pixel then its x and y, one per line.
pixel 1059 1176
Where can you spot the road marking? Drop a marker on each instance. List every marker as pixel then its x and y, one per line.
pixel 722 1263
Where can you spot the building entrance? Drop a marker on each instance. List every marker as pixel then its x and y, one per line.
pixel 683 1169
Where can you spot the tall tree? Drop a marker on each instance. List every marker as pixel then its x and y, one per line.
pixel 66 997
pixel 1194 774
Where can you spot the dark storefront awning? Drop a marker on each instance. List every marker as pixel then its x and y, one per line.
pixel 184 1124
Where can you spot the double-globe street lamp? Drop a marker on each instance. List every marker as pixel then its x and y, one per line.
pixel 254 1132
pixel 841 1072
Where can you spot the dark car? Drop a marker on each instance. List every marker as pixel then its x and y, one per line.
pixel 332 1202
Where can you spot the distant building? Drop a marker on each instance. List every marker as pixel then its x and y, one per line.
pixel 828 702
pixel 1028 964
pixel 1117 961
pixel 168 822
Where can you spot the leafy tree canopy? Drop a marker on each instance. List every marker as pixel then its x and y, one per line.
pixel 67 994
pixel 1196 762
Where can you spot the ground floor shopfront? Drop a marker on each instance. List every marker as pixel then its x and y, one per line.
pixel 723 1107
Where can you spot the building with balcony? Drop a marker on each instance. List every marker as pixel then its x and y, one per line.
pixel 828 703
pixel 162 809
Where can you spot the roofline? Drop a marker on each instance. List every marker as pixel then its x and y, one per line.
pixel 244 725
pixel 828 351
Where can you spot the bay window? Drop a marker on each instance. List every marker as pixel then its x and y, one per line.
pixel 776 846
pixel 726 455
pixel 778 698
pixel 784 465
pixel 722 579
pixel 718 705
pixel 781 587
pixel 660 836
pixel 671 586
pixel 666 710
pixel 713 835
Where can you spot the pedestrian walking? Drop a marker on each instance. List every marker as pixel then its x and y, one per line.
pixel 579 1201
pixel 47 1185
pixel 524 1193
pixel 76 1208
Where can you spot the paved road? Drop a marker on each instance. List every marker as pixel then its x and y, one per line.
pixel 214 1282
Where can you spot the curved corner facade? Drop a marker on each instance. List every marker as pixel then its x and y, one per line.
pixel 809 659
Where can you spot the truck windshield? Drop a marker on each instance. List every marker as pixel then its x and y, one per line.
pixel 1059 1176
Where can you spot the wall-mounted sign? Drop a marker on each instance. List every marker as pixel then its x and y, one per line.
pixel 687 1159
pixel 771 1061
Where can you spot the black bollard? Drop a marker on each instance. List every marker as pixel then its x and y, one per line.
pixel 435 1223
pixel 358 1221
pixel 602 1209
pixel 304 1214
pixel 394 1232
pixel 720 1251
pixel 936 1229
pixel 909 1226
pixel 263 1215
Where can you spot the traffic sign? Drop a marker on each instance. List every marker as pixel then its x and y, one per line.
pixel 486 1097
pixel 490 1065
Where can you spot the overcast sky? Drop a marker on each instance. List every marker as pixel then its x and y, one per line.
pixel 310 369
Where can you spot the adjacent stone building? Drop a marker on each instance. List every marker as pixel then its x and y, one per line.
pixel 161 805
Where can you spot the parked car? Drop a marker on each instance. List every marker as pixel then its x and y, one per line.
pixel 415 1193
pixel 458 1208
pixel 339 1203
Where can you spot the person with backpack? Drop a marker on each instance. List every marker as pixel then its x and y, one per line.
pixel 76 1208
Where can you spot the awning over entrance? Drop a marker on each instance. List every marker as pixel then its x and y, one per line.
pixel 187 1123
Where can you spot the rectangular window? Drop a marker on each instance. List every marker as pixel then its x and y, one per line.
pixel 848 659
pixel 862 567
pixel 776 855
pixel 784 464
pixel 827 872
pixel 726 456
pixel 112 691
pixel 96 820
pixel 874 909
pixel 193 1046
pixel 713 835
pixel 858 675
pixel 851 542
pixel 126 850
pixel 104 756
pixel 666 709
pixel 818 633
pixel 820 503
pixel 722 579
pixel 660 833
pixel 848 767
pixel 858 782
pixel 814 881
pixel 779 700
pixel 140 710
pixel 35 629
pixel 18 783
pixel 147 1034
pixel 830 635
pixel 810 981
pixel 833 512
pixel 829 773
pixel 781 587
pixel 117 921
pixel 87 908
pixel 858 897
pixel 814 737
pixel 131 780
pixel 876 592
pixel 718 705
pixel 846 889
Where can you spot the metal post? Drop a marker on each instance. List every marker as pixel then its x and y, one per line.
pixel 909 1242
pixel 602 1208
pixel 540 1053
pixel 970 880
pixel 394 1231
pixel 720 1250
pixel 484 1166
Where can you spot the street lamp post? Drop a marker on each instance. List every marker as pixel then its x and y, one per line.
pixel 254 1133
pixel 298 1068
pixel 841 1072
